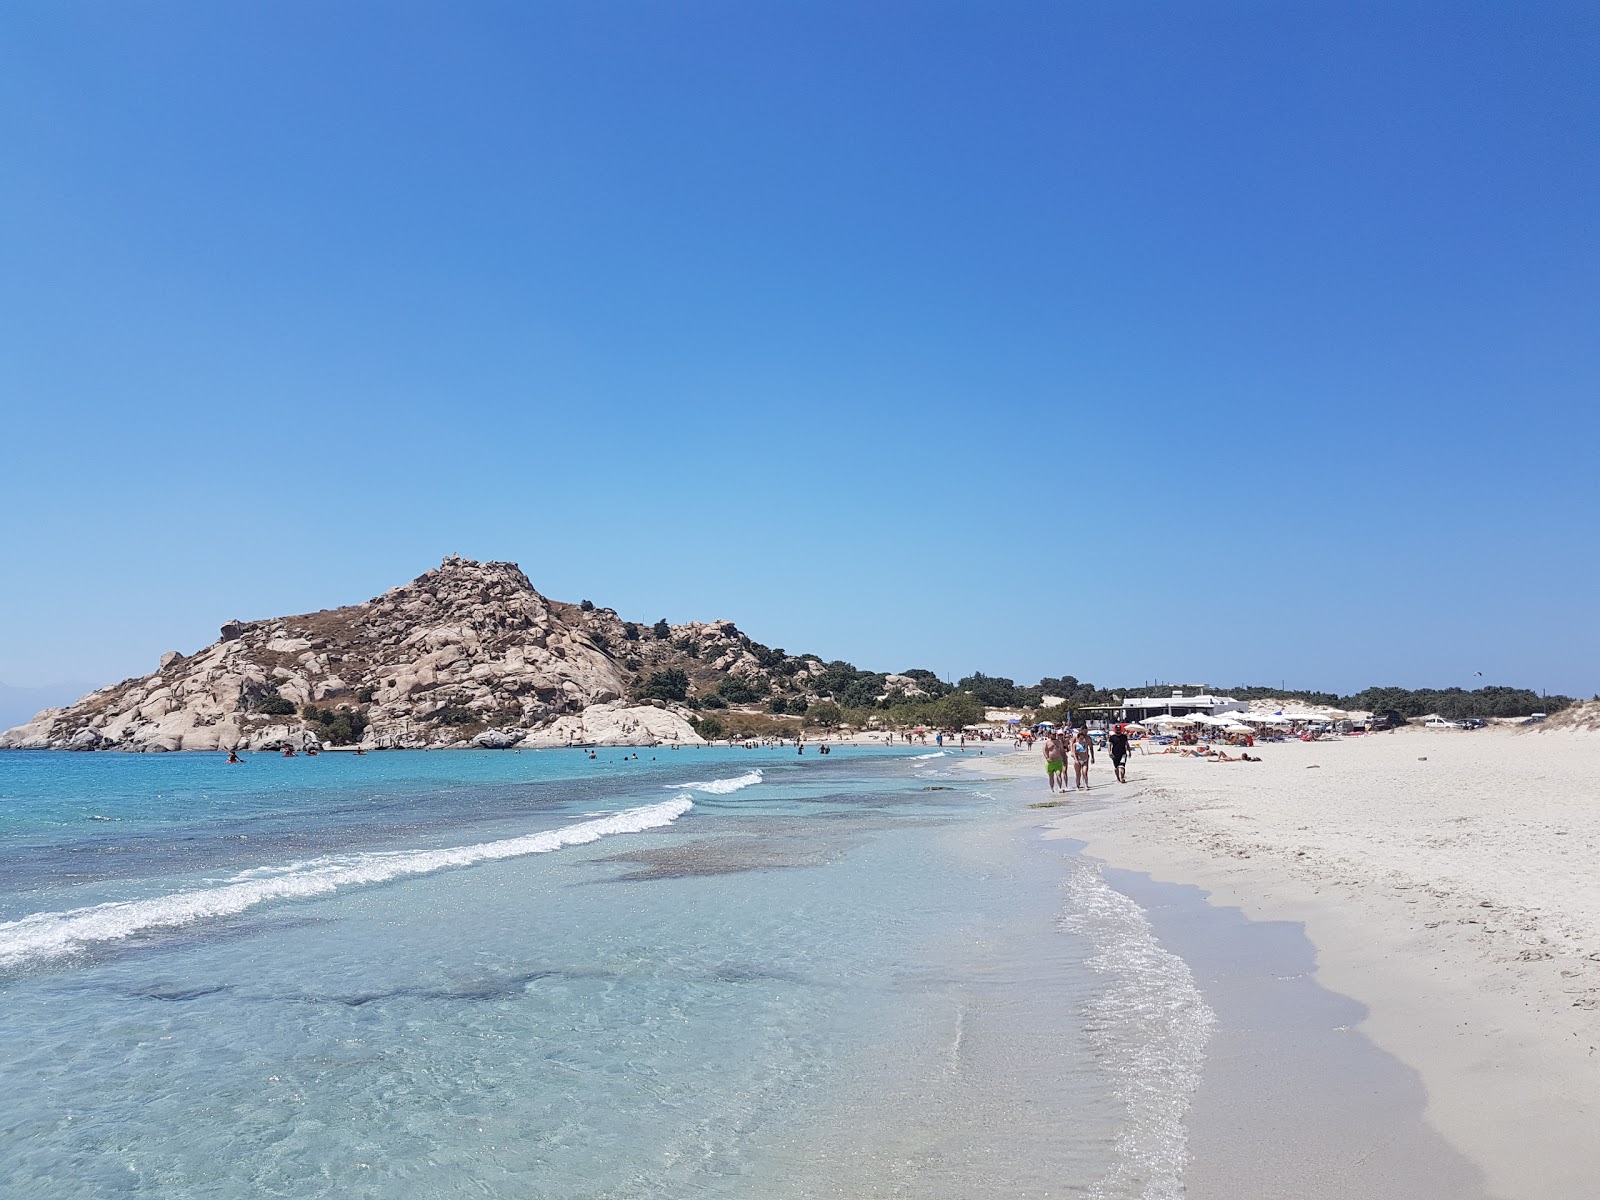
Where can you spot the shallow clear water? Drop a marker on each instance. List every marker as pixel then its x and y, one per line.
pixel 702 972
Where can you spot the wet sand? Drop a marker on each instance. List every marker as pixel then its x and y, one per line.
pixel 1447 883
pixel 1294 1101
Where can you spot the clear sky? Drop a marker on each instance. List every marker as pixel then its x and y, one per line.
pixel 1229 341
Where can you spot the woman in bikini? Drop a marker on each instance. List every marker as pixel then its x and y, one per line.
pixel 1082 756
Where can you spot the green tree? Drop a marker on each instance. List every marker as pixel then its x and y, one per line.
pixel 863 691
pixel 825 715
pixel 661 629
pixel 991 689
pixel 739 691
pixel 956 710
pixel 835 677
pixel 671 684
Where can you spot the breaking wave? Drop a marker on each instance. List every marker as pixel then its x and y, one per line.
pixel 1149 1027
pixel 720 787
pixel 50 935
pixel 935 754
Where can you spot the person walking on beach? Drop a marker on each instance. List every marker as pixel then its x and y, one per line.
pixel 1118 742
pixel 1055 767
pixel 1082 756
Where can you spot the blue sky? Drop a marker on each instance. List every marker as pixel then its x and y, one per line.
pixel 1234 342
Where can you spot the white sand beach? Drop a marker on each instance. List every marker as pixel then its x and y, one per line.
pixel 1449 882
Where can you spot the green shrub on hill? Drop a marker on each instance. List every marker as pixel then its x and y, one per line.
pixel 343 727
pixel 739 691
pixel 671 684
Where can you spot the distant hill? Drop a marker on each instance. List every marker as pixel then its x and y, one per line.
pixel 466 650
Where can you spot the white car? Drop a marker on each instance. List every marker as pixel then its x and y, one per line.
pixel 1440 723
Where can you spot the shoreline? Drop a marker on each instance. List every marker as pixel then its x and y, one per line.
pixel 996 749
pixel 1443 880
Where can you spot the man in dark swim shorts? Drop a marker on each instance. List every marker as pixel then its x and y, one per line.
pixel 1118 742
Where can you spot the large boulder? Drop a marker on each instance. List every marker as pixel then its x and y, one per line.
pixel 499 739
pixel 281 737
pixel 616 725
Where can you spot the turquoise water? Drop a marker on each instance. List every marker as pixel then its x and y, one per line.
pixel 702 972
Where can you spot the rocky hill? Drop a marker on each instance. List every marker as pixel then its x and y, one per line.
pixel 467 653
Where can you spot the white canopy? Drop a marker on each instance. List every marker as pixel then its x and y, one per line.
pixel 1169 719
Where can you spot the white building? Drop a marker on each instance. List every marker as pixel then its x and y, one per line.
pixel 1137 708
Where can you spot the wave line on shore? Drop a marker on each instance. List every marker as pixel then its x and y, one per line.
pixel 52 935
pixel 1150 1026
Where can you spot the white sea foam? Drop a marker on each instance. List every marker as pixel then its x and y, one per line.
pixel 1149 1026
pixel 935 754
pixel 49 935
pixel 720 787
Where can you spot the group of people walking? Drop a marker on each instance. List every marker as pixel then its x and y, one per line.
pixel 1074 748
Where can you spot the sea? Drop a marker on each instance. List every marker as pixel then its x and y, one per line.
pixel 709 972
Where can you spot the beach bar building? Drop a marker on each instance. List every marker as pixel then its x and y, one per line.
pixel 1138 708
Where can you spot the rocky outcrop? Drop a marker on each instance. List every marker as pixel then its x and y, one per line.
pixel 467 653
pixel 616 725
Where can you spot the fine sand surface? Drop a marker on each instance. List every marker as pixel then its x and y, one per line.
pixel 1450 882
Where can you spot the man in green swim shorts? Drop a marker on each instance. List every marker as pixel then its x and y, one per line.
pixel 1055 761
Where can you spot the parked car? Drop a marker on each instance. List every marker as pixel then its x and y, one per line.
pixel 1439 723
pixel 1378 722
pixel 1473 722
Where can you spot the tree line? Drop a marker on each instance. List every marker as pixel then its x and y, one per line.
pixel 843 694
